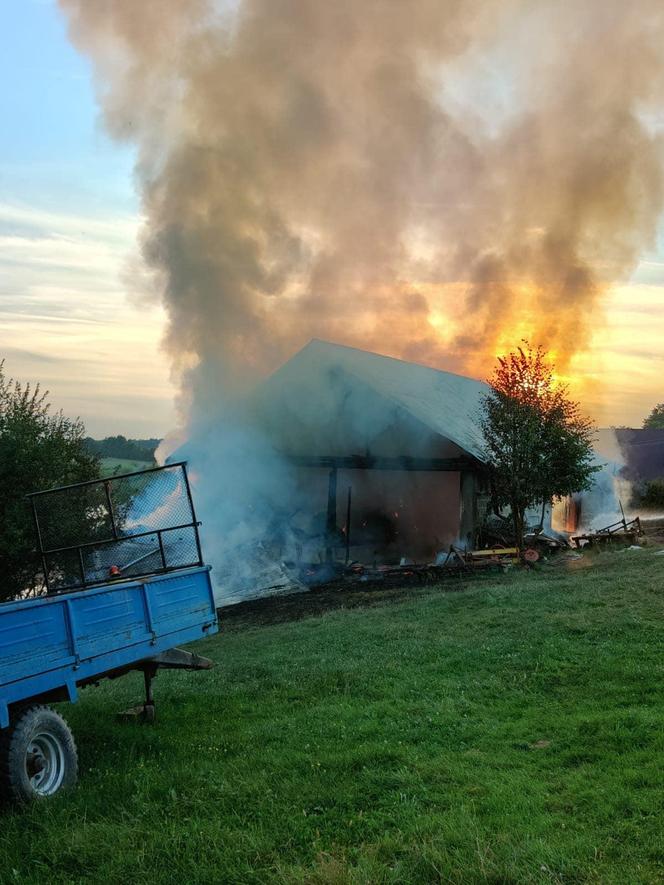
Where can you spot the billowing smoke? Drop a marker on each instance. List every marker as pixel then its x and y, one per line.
pixel 433 179
pixel 430 179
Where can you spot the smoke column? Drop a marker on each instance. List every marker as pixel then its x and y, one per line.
pixel 431 179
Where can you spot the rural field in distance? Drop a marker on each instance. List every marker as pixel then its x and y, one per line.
pixel 512 731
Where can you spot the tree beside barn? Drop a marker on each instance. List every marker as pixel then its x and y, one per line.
pixel 538 444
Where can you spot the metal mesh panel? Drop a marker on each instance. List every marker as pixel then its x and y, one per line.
pixel 126 558
pixel 150 501
pixel 63 569
pixel 122 527
pixel 71 516
pixel 180 547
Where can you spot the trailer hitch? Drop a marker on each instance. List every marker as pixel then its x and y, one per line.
pixel 173 659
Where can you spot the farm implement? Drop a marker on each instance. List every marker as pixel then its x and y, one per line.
pixel 123 585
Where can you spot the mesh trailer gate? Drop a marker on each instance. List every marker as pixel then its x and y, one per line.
pixel 126 526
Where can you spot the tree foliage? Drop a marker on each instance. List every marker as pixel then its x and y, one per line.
pixel 655 420
pixel 538 445
pixel 121 447
pixel 38 450
pixel 648 494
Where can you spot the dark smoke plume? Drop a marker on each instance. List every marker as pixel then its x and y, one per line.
pixel 432 179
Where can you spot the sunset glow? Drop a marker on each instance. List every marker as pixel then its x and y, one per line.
pixel 82 311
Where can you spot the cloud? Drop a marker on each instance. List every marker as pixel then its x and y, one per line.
pixel 121 228
pixel 65 320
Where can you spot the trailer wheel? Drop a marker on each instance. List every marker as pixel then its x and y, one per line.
pixel 37 755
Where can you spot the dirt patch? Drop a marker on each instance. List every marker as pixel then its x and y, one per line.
pixel 343 595
pixel 317 601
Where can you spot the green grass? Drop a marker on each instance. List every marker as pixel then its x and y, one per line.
pixel 113 466
pixel 513 732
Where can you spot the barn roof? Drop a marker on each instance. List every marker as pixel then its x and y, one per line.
pixel 448 404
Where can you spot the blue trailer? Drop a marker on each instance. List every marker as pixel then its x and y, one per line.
pixel 123 584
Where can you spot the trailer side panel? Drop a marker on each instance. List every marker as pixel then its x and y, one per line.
pixel 59 642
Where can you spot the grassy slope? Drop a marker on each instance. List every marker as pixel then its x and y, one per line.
pixel 509 733
pixel 111 466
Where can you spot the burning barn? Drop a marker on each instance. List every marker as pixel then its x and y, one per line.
pixel 385 456
pixel 344 456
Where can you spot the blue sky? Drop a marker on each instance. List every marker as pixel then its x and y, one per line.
pixel 53 150
pixel 68 221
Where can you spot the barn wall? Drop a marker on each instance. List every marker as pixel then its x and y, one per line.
pixel 394 513
pixel 399 513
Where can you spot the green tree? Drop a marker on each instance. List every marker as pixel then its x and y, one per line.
pixel 123 448
pixel 538 445
pixel 655 420
pixel 38 450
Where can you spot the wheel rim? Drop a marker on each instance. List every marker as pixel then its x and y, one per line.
pixel 45 764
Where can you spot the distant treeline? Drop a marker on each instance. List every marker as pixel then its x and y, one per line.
pixel 121 447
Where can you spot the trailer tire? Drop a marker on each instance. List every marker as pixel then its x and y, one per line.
pixel 38 756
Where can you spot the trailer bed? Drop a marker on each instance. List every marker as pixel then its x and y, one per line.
pixel 49 646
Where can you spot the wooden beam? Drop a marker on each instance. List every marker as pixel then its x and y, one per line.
pixel 331 521
pixel 468 515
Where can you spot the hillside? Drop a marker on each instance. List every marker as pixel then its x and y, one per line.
pixel 511 732
pixel 122 448
pixel 114 466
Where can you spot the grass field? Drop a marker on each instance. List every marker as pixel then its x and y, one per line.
pixel 111 466
pixel 512 732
